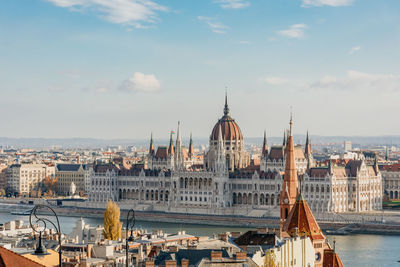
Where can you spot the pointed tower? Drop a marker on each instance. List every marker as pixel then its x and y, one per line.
pixel 171 145
pixel 290 183
pixel 191 149
pixel 307 150
pixel 265 144
pixel 178 149
pixel 284 138
pixel 226 108
pixel 151 148
pixel 220 161
pixel 308 153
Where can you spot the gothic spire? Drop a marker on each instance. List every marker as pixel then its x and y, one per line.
pixel 171 145
pixel 191 152
pixel 178 136
pixel 307 150
pixel 284 138
pixel 290 182
pixel 226 108
pixel 151 148
pixel 265 144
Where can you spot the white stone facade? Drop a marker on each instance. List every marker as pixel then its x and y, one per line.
pixel 23 178
pixel 355 187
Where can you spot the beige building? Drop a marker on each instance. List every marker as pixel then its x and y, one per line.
pixel 3 177
pixel 68 174
pixel 349 186
pixel 391 180
pixel 23 178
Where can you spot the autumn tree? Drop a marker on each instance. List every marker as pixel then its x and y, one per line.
pixel 270 259
pixel 50 185
pixel 112 224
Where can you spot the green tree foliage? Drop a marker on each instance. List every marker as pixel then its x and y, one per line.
pixel 112 223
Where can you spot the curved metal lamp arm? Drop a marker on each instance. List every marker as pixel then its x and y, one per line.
pixel 37 219
pixel 130 223
pixel 130 220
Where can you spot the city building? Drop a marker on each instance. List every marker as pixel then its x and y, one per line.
pixel 23 178
pixel 228 182
pixel 71 173
pixel 349 186
pixel 391 180
pixel 3 177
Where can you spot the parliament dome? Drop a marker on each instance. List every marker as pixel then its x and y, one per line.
pixel 229 128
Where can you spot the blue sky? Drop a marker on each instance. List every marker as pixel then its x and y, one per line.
pixel 124 68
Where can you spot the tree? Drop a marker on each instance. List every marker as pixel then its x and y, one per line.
pixel 270 259
pixel 2 192
pixel 50 185
pixel 112 224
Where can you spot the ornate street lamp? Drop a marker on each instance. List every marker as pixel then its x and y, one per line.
pixel 130 223
pixel 34 220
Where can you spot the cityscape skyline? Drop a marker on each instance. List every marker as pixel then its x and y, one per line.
pixel 107 69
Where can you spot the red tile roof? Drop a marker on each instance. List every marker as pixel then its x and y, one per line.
pixel 302 219
pixel 9 258
pixel 162 152
pixel 331 259
pixel 391 168
pixel 229 128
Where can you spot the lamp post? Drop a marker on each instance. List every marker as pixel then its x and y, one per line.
pixel 130 223
pixel 34 219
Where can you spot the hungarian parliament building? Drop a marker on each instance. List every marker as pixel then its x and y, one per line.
pixel 225 180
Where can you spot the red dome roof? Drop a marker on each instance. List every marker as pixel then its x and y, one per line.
pixel 229 128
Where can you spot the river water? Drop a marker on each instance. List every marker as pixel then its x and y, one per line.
pixel 354 250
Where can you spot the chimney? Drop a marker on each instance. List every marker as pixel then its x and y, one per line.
pixel 89 250
pixel 170 263
pixel 216 255
pixel 184 263
pixel 241 256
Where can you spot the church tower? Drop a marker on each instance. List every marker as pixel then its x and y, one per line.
pixel 290 183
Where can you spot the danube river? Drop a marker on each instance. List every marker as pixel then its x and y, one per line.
pixel 355 250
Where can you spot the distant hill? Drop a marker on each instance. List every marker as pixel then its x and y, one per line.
pixel 97 143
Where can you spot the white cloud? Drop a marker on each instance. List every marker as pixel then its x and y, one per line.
pixel 244 42
pixel 273 80
pixel 214 25
pixel 334 3
pixel 127 12
pixel 294 31
pixel 354 50
pixel 355 80
pixel 140 82
pixel 232 4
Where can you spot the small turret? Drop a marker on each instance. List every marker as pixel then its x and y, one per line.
pixel 191 149
pixel 171 145
pixel 284 138
pixel 265 144
pixel 151 148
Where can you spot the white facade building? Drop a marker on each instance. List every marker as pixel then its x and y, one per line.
pixel 23 178
pixel 391 180
pixel 351 187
